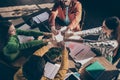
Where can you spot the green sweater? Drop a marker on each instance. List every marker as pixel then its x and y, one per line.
pixel 12 49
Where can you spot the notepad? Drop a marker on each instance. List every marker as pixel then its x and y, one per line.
pixel 80 53
pixel 95 70
pixel 51 70
pixel 41 17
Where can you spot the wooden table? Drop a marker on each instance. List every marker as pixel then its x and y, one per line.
pixel 23 10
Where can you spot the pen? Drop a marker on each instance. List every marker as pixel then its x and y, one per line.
pixel 79 52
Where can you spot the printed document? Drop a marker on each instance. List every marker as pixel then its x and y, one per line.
pixel 41 17
pixel 80 52
pixel 51 70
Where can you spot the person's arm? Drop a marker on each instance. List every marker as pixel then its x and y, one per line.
pixel 64 66
pixel 32 33
pixel 52 18
pixel 53 15
pixel 12 48
pixel 83 33
pixel 32 44
pixel 77 18
pixel 107 44
pixel 40 52
pixel 95 43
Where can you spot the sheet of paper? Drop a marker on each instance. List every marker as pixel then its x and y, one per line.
pixel 63 28
pixel 80 52
pixel 59 37
pixel 17 21
pixel 41 17
pixel 24 27
pixel 23 38
pixel 51 70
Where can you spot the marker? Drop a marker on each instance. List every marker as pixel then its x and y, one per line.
pixel 79 52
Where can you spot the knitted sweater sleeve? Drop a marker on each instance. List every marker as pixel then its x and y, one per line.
pixel 29 33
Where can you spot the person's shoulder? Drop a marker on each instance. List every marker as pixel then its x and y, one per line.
pixel 13 37
pixel 12 40
pixel 78 3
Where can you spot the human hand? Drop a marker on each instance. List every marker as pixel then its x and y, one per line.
pixel 46 40
pixel 61 44
pixel 54 31
pixel 48 34
pixel 39 37
pixel 68 34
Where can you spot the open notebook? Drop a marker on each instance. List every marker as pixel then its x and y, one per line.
pixel 51 70
pixel 79 52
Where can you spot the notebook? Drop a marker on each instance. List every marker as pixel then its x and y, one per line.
pixel 79 52
pixel 95 70
pixel 41 17
pixel 51 70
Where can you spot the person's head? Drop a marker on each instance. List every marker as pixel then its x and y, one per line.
pixel 33 69
pixel 110 25
pixel 54 54
pixel 66 2
pixel 7 28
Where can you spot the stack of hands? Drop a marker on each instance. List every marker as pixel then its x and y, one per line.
pixel 61 35
pixel 62 30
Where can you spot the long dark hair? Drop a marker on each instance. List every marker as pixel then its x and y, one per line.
pixel 4 27
pixel 113 23
pixel 33 69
